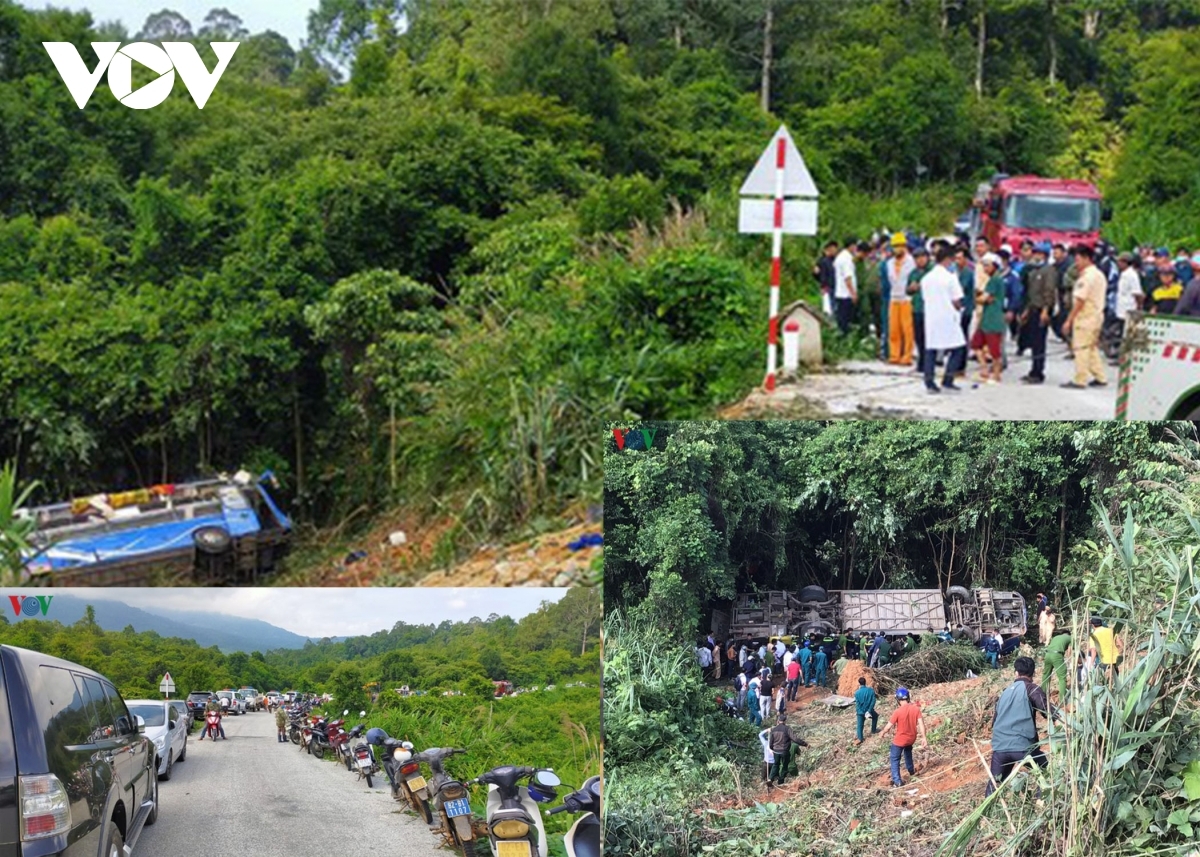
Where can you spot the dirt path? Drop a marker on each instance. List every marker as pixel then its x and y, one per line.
pixel 544 560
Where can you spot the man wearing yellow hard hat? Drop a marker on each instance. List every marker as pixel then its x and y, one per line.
pixel 896 272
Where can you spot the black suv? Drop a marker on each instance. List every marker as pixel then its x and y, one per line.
pixel 196 700
pixel 76 777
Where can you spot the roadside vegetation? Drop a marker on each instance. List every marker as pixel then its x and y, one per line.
pixel 1124 778
pixel 421 284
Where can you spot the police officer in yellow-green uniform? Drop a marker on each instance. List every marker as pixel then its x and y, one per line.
pixel 1054 662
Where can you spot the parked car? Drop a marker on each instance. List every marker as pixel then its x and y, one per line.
pixel 164 728
pixel 231 702
pixel 77 770
pixel 196 700
pixel 182 712
pixel 253 700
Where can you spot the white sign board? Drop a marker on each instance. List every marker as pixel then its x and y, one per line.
pixel 757 216
pixel 797 181
pixel 167 685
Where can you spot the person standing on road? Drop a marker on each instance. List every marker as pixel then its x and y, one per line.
pixel 1054 662
pixel 921 259
pixel 845 292
pixel 1014 727
pixel 782 740
pixel 942 296
pixel 1041 296
pixel 864 707
pixel 900 322
pixel 1130 295
pixel 908 723
pixel 281 725
pixel 1085 321
pixel 989 336
pixel 823 270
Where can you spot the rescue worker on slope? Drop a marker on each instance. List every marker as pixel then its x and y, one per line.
pixel 864 707
pixel 1014 729
pixel 780 741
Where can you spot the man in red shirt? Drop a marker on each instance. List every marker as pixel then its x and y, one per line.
pixel 908 723
pixel 793 679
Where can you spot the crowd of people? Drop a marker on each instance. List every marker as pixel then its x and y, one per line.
pixel 767 676
pixel 932 301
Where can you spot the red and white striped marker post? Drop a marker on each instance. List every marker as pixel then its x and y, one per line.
pixel 776 262
pixel 768 205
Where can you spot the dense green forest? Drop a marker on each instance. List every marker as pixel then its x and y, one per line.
pixel 558 644
pixel 417 260
pixel 718 508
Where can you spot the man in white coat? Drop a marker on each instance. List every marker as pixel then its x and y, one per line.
pixel 942 294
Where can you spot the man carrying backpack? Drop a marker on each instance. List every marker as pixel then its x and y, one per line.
pixel 1014 729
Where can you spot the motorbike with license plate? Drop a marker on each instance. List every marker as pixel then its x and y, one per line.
pixel 514 819
pixel 583 839
pixel 450 799
pixel 403 774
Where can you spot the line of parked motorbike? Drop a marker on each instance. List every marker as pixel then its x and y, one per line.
pixel 513 823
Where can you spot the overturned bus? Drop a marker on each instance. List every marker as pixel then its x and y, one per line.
pixel 220 531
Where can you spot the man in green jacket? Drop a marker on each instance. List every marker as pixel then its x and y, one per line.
pixel 864 705
pixel 1055 663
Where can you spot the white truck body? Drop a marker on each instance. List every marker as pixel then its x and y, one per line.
pixel 1160 370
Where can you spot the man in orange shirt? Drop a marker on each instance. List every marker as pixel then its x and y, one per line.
pixel 908 723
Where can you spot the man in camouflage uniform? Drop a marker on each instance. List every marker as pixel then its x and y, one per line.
pixel 281 725
pixel 213 705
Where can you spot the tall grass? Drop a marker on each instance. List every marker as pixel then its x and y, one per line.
pixel 558 729
pixel 1124 778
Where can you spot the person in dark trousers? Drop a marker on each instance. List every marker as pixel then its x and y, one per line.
pixel 805 657
pixel 281 725
pixel 822 664
pixel 793 679
pixel 909 724
pixel 823 269
pixel 864 707
pixel 1014 727
pixel 780 741
pixel 923 266
pixel 1041 297
pixel 851 645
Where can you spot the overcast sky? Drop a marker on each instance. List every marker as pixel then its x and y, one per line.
pixel 286 17
pixel 329 612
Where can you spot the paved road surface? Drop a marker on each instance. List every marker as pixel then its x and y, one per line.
pixel 874 389
pixel 250 796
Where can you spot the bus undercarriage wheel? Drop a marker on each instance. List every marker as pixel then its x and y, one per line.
pixel 813 593
pixel 212 540
pixel 961 593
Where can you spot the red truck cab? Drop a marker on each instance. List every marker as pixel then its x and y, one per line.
pixel 1012 209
